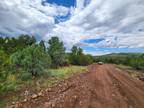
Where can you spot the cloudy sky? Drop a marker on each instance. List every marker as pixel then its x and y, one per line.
pixel 97 26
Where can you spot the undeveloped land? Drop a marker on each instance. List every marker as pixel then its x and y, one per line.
pixel 104 86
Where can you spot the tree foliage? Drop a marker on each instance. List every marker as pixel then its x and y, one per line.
pixel 11 44
pixel 42 44
pixel 23 52
pixel 32 59
pixel 134 60
pixel 77 57
pixel 56 51
pixel 3 58
pixel 4 64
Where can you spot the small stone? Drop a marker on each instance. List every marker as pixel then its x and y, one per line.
pixel 49 90
pixel 13 103
pixel 75 97
pixel 42 91
pixel 34 96
pixel 113 95
pixel 80 102
pixel 17 106
pixel 46 104
pixel 66 84
pixel 53 105
pixel 26 93
pixel 25 100
pixel 40 94
pixel 12 106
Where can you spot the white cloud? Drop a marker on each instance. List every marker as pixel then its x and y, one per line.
pixel 28 16
pixel 119 23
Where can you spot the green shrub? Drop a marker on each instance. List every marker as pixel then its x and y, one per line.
pixel 77 57
pixel 3 75
pixel 25 76
pixel 32 59
pixel 2 104
pixel 8 86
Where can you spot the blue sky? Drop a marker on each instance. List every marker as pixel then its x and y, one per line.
pixel 93 40
pixel 66 3
pixel 97 26
pixel 102 51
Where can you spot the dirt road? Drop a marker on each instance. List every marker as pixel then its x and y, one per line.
pixel 104 86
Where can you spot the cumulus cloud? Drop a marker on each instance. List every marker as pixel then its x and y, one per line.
pixel 119 23
pixel 28 16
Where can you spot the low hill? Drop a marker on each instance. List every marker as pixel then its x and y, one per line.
pixel 135 60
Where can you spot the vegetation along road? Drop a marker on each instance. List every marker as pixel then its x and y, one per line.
pixel 103 86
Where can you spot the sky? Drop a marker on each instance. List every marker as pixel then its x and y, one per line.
pixel 98 26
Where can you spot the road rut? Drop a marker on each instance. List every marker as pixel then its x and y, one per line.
pixel 104 86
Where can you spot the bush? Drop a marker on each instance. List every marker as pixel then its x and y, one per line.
pixel 8 86
pixel 25 76
pixel 78 58
pixel 32 59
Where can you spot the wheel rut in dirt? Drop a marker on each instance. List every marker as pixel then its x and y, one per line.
pixel 104 86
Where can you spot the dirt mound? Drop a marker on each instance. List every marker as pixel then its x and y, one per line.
pixel 104 86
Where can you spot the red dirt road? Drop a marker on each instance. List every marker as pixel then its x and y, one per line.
pixel 104 86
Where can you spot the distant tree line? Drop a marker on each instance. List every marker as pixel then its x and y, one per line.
pixel 77 57
pixel 135 60
pixel 25 53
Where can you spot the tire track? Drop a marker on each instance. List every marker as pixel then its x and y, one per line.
pixel 103 86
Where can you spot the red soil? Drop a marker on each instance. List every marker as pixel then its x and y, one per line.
pixel 104 86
